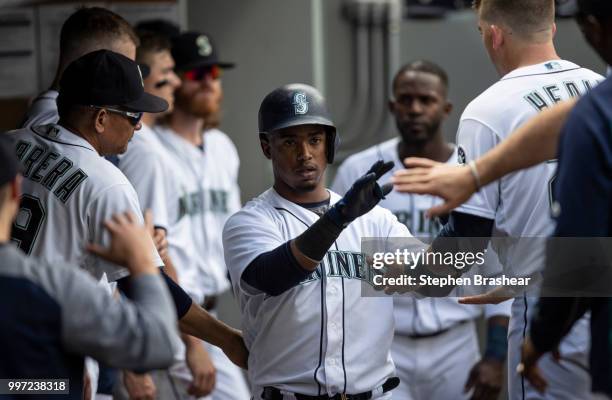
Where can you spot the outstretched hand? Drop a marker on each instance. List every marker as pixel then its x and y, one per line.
pixel 365 193
pixel 454 184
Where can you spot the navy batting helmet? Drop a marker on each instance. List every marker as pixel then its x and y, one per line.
pixel 297 104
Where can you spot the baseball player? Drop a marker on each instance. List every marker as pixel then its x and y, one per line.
pixel 70 190
pixel 152 172
pixel 518 36
pixel 87 29
pixel 207 162
pixel 63 314
pixel 435 338
pixel 294 256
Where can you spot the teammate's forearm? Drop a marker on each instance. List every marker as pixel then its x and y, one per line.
pixel 497 338
pixel 534 142
pixel 199 323
pixel 169 268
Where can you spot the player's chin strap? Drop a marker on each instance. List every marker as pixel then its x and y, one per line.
pixel 272 393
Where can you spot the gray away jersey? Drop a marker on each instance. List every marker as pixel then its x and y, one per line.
pixel 69 190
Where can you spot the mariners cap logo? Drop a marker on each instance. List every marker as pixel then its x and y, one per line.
pixel 204 46
pixel 300 103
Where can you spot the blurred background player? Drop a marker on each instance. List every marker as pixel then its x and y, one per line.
pixel 208 164
pixel 435 338
pixel 151 170
pixel 63 314
pixel 87 29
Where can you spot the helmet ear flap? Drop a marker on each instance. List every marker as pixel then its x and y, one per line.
pixel 332 144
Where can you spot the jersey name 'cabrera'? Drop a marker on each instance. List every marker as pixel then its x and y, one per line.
pixel 69 191
pixel 312 339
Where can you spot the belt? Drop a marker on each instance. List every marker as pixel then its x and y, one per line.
pixel 272 393
pixel 437 333
pixel 209 303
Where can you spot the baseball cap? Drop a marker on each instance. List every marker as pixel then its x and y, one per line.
pixel 106 78
pixel 193 49
pixel 9 165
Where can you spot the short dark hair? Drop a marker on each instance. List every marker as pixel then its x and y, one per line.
pixel 424 66
pixel 90 25
pixel 150 43
pixel 526 17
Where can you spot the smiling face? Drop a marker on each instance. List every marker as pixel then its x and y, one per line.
pixel 299 159
pixel 419 105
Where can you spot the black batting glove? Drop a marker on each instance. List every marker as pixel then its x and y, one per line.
pixel 362 196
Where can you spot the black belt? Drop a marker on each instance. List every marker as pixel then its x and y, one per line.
pixel 209 303
pixel 272 393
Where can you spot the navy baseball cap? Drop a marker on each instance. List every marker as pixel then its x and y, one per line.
pixel 105 78
pixel 9 165
pixel 193 49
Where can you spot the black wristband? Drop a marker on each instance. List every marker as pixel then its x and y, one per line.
pixel 317 239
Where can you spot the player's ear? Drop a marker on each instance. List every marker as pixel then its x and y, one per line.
pixel 554 29
pixel 264 142
pixel 448 108
pixel 391 105
pixel 497 36
pixel 101 119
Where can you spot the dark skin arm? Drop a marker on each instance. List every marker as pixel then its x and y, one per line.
pixel 487 375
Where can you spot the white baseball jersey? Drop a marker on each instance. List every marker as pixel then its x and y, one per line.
pixel 150 169
pixel 519 203
pixel 69 191
pixel 210 195
pixel 412 316
pixel 43 110
pixel 321 336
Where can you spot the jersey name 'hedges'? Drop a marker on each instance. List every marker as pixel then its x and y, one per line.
pixel 37 159
pixel 540 102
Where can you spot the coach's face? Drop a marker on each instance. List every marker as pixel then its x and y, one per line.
pixel 419 106
pixel 114 132
pixel 298 157
pixel 162 81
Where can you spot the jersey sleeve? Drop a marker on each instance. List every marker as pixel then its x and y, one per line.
pixel 114 200
pixel 139 334
pixel 150 181
pixel 246 235
pixel 474 139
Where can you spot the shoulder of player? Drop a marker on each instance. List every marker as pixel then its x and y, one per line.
pixel 220 143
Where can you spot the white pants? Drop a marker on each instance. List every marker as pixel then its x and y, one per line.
pixel 567 380
pixel 383 396
pixel 435 368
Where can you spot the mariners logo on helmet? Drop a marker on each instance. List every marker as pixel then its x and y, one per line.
pixel 300 104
